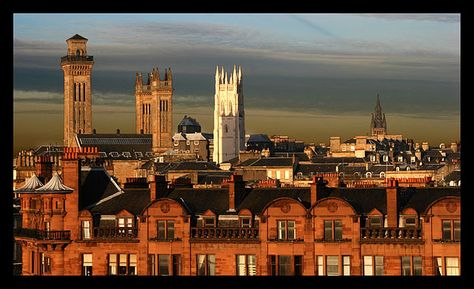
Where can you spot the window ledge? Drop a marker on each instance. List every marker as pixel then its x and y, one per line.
pixel 332 241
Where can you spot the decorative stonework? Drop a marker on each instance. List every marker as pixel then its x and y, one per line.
pixel 285 208
pixel 332 207
pixel 165 207
pixel 451 207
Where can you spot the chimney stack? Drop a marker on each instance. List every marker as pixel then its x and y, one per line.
pixel 44 168
pixel 317 184
pixel 392 203
pixel 236 191
pixel 158 186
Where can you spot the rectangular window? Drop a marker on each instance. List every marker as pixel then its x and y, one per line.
pixel 206 265
pixel 125 225
pixel 163 265
pixel 332 265
pixel 284 265
pixel 251 265
pixel 368 266
pixel 273 265
pixel 417 266
pixel 337 230
pixel 452 266
pixel 245 222
pixel 332 230
pixel 406 269
pixel 457 230
pixel 298 265
pixel 241 265
pixel 379 265
pixel 287 175
pixel 45 264
pixel 86 264
pixel 86 230
pixel 33 262
pixel 375 222
pixel 269 174
pixel 320 266
pixel 132 267
pixel 410 222
pixel 286 230
pixel 176 264
pixel 439 266
pixel 278 175
pixel 446 229
pixel 112 264
pixel 346 263
pixel 122 269
pixel 151 265
pixel 165 230
pixel 209 221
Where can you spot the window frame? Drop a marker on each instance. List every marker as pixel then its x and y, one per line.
pixel 283 232
pixel 209 265
pixel 168 230
pixel 245 265
pixel 333 229
pixel 128 264
pixel 87 270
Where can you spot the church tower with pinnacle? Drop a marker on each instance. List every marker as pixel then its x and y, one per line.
pixel 154 108
pixel 378 124
pixel 229 116
pixel 77 68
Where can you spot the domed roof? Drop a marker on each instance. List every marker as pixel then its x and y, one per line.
pixel 187 120
pixel 30 185
pixel 55 185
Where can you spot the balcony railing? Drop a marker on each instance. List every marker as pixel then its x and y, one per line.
pixel 43 235
pixel 390 234
pixel 113 234
pixel 76 58
pixel 227 233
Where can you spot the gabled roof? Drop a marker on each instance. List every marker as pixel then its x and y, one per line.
pixel 96 185
pixel 453 176
pixel 77 37
pixel 179 136
pixel 55 185
pixel 132 200
pixel 30 185
pixel 258 138
pixel 363 200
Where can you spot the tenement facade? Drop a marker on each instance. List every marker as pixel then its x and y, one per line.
pixel 83 223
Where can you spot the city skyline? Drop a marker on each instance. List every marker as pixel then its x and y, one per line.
pixel 309 76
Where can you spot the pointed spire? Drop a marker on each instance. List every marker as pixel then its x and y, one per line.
pixel 170 75
pixel 222 74
pixel 225 78
pixel 55 185
pixel 240 73
pixel 31 184
pixel 149 78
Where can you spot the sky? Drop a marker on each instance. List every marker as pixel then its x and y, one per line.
pixel 309 76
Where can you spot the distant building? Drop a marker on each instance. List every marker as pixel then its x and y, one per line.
pixel 378 124
pixel 196 143
pixel 259 142
pixel 154 108
pixel 189 125
pixel 77 67
pixel 229 116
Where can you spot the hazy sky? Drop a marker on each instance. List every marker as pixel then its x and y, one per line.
pixel 309 76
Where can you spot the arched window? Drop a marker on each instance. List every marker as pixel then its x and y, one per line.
pixel 382 174
pixel 368 174
pixel 78 53
pixel 226 129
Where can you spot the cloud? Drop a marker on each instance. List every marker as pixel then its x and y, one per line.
pixel 439 17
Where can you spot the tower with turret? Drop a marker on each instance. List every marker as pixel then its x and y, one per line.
pixel 229 116
pixel 77 67
pixel 153 106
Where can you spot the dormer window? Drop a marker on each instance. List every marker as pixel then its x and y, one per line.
pixel 375 222
pixel 410 222
pixel 125 225
pixel 209 221
pixel 245 222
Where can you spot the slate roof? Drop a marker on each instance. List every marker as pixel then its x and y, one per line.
pixel 258 198
pixel 363 200
pixel 337 160
pixel 192 166
pixel 119 146
pixel 77 37
pixel 423 197
pixel 453 176
pixel 431 167
pixel 187 120
pixel 258 138
pixel 300 155
pixel 95 185
pixel 307 169
pixel 273 162
pixel 213 177
pixel 200 200
pixel 45 150
pixel 132 200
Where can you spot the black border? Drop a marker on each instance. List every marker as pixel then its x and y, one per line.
pixel 227 7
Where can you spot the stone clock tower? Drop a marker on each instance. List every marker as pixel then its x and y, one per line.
pixel 77 68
